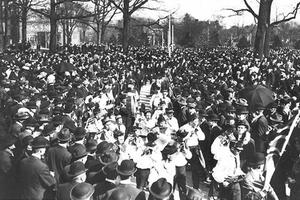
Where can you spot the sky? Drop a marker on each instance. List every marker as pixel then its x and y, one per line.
pixel 216 9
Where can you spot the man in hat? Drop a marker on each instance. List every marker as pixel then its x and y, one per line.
pixel 76 173
pixel 79 138
pixel 7 166
pixel 259 128
pixel 160 190
pixel 82 191
pixel 59 156
pixel 253 184
pixel 125 170
pixel 228 173
pixel 35 180
pixel 187 112
pixel 171 121
pixel 192 139
pixel 109 183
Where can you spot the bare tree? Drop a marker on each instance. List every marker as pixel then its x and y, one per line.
pixel 54 16
pixel 128 7
pixel 24 6
pixel 264 23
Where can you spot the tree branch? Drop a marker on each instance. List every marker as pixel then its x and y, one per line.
pixel 287 17
pixel 137 5
pixel 250 9
pixel 116 5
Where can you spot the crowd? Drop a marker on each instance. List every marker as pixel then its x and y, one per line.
pixel 72 125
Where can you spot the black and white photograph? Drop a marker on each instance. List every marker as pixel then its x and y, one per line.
pixel 149 100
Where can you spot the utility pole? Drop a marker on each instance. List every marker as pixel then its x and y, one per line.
pixel 170 36
pixel 173 43
pixel 162 38
pixel 1 25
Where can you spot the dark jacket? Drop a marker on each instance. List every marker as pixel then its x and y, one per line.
pixel 58 157
pixel 7 175
pixel 136 194
pixel 63 190
pixel 101 188
pixel 258 133
pixel 35 180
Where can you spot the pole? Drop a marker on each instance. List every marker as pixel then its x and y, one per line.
pixel 169 36
pixel 173 43
pixel 162 38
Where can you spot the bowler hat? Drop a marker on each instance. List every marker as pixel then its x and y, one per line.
pixel 82 191
pixel 126 168
pixel 161 189
pixel 39 142
pixel 256 159
pixel 191 103
pixel 79 133
pixel 169 149
pixel 48 129
pixel 110 170
pixel 242 110
pixel 64 135
pixel 7 141
pixel 151 137
pixel 243 123
pixel 75 169
pixel 91 145
pixel 103 147
pixel 79 151
pixel 108 157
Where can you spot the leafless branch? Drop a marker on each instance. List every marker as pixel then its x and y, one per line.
pixel 250 9
pixel 137 5
pixel 118 6
pixel 291 15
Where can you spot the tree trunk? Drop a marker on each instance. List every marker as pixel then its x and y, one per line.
pixel 103 27
pixel 98 33
pixel 262 28
pixel 126 21
pixel 1 26
pixel 14 19
pixel 24 25
pixel 5 24
pixel 53 27
pixel 64 32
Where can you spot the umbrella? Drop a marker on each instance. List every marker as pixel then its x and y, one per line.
pixel 65 66
pixel 257 96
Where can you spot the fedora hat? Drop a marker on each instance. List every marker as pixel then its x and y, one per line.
pixel 104 147
pixel 64 135
pixel 126 168
pixel 191 103
pixel 75 169
pixel 256 159
pixel 242 110
pixel 161 189
pixel 241 102
pixel 91 145
pixel 82 191
pixel 213 117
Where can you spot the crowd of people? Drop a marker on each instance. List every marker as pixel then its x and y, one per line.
pixel 73 126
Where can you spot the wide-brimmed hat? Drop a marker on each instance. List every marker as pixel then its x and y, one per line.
pixel 182 101
pixel 256 159
pixel 161 189
pixel 126 168
pixel 39 142
pixel 75 169
pixel 82 191
pixel 64 135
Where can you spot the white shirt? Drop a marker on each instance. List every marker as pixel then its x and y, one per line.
pixel 172 124
pixel 194 134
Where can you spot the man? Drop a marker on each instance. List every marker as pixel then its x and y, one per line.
pixel 76 173
pixel 125 170
pixel 79 138
pixel 110 180
pixel 192 139
pixel 253 184
pixel 82 191
pixel 259 128
pixel 59 156
pixel 7 169
pixel 160 190
pixel 171 121
pixel 228 173
pixel 35 180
